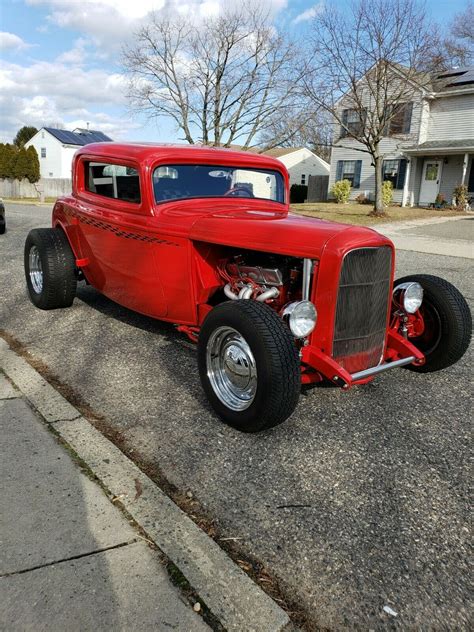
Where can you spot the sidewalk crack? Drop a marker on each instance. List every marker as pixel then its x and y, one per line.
pixel 69 559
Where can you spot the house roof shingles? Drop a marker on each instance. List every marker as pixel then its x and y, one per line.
pixel 83 137
pixel 465 143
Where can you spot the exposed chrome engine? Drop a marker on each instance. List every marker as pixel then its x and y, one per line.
pixel 272 279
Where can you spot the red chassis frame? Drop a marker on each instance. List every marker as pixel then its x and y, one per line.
pixel 160 259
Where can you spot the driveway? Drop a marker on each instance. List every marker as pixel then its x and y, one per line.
pixel 444 236
pixel 359 501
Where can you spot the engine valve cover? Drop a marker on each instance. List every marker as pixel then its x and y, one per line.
pixel 262 276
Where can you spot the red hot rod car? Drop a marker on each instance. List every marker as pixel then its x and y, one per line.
pixel 203 238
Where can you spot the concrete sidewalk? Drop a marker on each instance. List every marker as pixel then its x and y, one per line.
pixel 447 236
pixel 69 558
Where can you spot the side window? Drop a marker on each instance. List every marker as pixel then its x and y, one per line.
pixel 113 181
pixel 400 122
pixel 349 170
pixel 394 170
pixel 43 152
pixel 353 123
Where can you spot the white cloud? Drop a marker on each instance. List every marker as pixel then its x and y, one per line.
pixel 309 14
pixel 111 23
pixel 52 91
pixel 10 41
pixel 82 85
pixel 76 56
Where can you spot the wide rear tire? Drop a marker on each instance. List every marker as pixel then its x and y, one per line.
pixel 50 268
pixel 448 323
pixel 249 365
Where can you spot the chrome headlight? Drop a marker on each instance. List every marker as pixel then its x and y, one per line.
pixel 409 296
pixel 301 318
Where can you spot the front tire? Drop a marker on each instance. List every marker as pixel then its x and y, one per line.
pixel 248 365
pixel 50 268
pixel 448 323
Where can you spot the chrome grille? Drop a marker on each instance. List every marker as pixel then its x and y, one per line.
pixel 362 303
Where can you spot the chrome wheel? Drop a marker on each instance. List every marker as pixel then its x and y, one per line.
pixel 35 270
pixel 231 368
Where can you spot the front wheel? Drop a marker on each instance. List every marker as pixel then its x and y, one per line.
pixel 447 323
pixel 248 365
pixel 50 268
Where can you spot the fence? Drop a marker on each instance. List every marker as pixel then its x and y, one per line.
pixel 317 188
pixel 47 187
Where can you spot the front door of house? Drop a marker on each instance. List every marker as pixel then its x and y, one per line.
pixel 430 180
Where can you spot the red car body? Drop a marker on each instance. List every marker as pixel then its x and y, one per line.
pixel 161 259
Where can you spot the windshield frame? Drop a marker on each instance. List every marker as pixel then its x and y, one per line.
pixel 279 179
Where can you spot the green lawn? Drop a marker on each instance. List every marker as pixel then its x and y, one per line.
pixel 353 213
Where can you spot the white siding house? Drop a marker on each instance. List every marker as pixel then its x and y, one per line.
pixel 56 148
pixel 428 151
pixel 300 162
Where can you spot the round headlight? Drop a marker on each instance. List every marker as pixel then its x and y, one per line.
pixel 301 318
pixel 412 297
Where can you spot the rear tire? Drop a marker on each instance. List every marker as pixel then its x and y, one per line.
pixel 448 323
pixel 50 268
pixel 248 365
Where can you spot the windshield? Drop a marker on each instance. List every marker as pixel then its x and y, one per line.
pixel 177 182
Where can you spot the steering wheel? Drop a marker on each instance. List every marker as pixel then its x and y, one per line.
pixel 239 191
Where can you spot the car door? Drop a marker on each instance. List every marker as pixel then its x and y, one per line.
pixel 115 237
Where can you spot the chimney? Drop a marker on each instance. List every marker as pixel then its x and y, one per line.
pixel 87 125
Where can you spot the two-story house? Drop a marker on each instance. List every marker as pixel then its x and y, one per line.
pixel 428 147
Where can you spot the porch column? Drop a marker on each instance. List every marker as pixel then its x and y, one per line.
pixel 406 185
pixel 464 168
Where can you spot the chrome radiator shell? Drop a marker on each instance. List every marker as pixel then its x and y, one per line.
pixel 362 308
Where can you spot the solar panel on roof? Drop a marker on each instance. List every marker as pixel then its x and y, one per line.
pixel 445 75
pixel 72 138
pixel 465 78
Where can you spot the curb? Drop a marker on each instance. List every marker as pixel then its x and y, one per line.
pixel 231 596
pixel 27 202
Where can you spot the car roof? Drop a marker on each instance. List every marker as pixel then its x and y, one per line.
pixel 180 152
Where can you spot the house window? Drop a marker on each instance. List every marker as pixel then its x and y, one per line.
pixel 349 170
pixel 353 122
pixel 303 178
pixel 394 171
pixel 113 181
pixel 42 134
pixel 400 121
pixel 43 152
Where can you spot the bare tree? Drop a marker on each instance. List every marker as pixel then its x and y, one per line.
pixel 300 129
pixel 454 49
pixel 462 28
pixel 220 80
pixel 363 70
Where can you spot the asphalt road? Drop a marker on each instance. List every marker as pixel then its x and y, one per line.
pixel 375 481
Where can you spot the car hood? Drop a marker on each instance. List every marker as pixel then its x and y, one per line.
pixel 280 234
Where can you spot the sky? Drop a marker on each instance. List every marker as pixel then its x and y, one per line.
pixel 60 59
